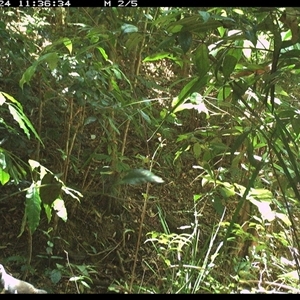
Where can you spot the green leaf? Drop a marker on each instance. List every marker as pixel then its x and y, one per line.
pixel 197 149
pixel 158 56
pixel 205 15
pixel 48 212
pixel 50 188
pixel 27 75
pixel 133 40
pixel 296 125
pixel 145 117
pixel 128 28
pixel 229 64
pixel 218 205
pixel 185 39
pixel 261 194
pixel 201 60
pixel 11 98
pixel 251 36
pixel 55 276
pixel 68 44
pixel 239 141
pixel 227 190
pixel 239 88
pixel 33 208
pixel 4 176
pixel 193 86
pixel 18 118
pixel 167 42
pixel 138 176
pixel 51 59
pixel 103 52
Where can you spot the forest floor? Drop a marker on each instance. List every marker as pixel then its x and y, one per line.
pixel 97 245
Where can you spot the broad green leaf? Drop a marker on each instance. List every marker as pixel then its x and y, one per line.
pixel 103 53
pixel 185 39
pixel 129 28
pixel 201 60
pixel 197 149
pixel 198 25
pixel 16 111
pixel 50 188
pixel 133 40
pixel 261 194
pixel 218 205
pixel 158 56
pixel 167 42
pixel 185 21
pixel 48 212
pixel 193 86
pixel 145 116
pixel 294 53
pixel 26 77
pixel 296 125
pixel 227 190
pixel 239 141
pixel 33 207
pixel 138 176
pixel 175 29
pixel 251 36
pixel 68 44
pixel 239 88
pixel 4 176
pixel 19 119
pixel 55 276
pixel 205 15
pixel 117 74
pixel 51 59
pixel 224 93
pixel 12 99
pixel 113 125
pixel 229 64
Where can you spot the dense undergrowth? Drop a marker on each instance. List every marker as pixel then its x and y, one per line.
pixel 155 149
